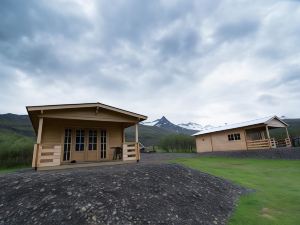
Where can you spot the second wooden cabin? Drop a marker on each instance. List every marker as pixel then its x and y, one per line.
pixel 252 134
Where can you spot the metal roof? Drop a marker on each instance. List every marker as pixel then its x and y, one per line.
pixel 264 120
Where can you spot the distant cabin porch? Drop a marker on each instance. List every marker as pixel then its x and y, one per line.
pixel 261 138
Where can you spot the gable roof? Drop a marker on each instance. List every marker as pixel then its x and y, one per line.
pixel 85 105
pixel 265 120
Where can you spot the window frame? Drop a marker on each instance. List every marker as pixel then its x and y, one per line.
pixel 234 137
pixel 80 145
pixel 92 140
pixel 103 144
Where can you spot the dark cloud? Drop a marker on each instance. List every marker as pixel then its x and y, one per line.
pixel 31 32
pixel 182 42
pixel 135 20
pixel 237 29
pixel 26 18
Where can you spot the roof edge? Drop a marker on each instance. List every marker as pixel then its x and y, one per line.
pixel 248 123
pixel 84 105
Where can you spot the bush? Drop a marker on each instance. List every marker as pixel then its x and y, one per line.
pixel 15 150
pixel 178 143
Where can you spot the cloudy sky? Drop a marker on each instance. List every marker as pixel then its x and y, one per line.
pixel 203 61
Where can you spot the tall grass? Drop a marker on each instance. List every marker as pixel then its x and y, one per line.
pixel 178 143
pixel 15 150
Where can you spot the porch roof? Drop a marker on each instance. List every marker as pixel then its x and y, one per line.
pixel 261 121
pixel 48 111
pixel 85 105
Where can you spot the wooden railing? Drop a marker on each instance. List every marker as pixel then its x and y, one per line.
pixel 258 144
pixel 288 142
pixel 273 143
pixel 47 155
pixel 268 143
pixel 131 151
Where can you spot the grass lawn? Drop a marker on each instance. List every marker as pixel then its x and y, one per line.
pixel 277 185
pixel 12 169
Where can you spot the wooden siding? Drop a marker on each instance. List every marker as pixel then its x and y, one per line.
pixel 89 114
pixel 130 151
pixel 203 143
pixel 53 134
pixel 219 141
pixel 276 123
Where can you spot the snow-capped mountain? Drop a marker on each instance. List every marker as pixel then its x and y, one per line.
pixel 191 126
pixel 186 128
pixel 150 123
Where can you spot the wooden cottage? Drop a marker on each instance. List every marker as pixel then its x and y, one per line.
pixel 71 134
pixel 242 136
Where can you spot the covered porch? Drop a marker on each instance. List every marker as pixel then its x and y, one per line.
pixel 104 150
pixel 259 137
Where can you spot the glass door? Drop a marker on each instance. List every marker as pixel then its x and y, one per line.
pixel 103 144
pixel 67 144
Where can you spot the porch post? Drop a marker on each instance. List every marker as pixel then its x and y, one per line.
pixel 124 140
pixel 268 135
pixel 287 133
pixel 287 143
pixel 38 140
pixel 137 142
pixel 136 132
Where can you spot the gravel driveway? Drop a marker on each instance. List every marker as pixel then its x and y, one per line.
pixel 144 193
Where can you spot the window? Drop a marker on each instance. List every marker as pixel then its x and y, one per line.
pixel 103 144
pixel 237 137
pixel 234 137
pixel 67 144
pixel 92 140
pixel 79 140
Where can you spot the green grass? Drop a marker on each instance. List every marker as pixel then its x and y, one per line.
pixel 15 150
pixel 13 169
pixel 277 184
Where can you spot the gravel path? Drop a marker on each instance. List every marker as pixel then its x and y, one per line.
pixel 157 193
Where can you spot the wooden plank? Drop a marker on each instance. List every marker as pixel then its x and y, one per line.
pixel 40 130
pixel 34 160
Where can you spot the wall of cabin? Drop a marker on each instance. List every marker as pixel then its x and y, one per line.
pixel 53 134
pixel 203 143
pixel 219 141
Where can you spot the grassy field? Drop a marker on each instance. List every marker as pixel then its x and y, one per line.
pixel 277 184
pixel 15 150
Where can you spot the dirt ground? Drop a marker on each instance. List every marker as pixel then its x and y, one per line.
pixel 150 192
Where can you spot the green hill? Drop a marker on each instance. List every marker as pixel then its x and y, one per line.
pixel 148 135
pixel 16 124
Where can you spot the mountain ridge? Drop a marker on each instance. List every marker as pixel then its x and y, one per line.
pixel 165 123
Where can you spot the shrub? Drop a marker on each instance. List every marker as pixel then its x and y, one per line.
pixel 15 150
pixel 178 143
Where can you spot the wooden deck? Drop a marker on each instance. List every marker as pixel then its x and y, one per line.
pixel 85 165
